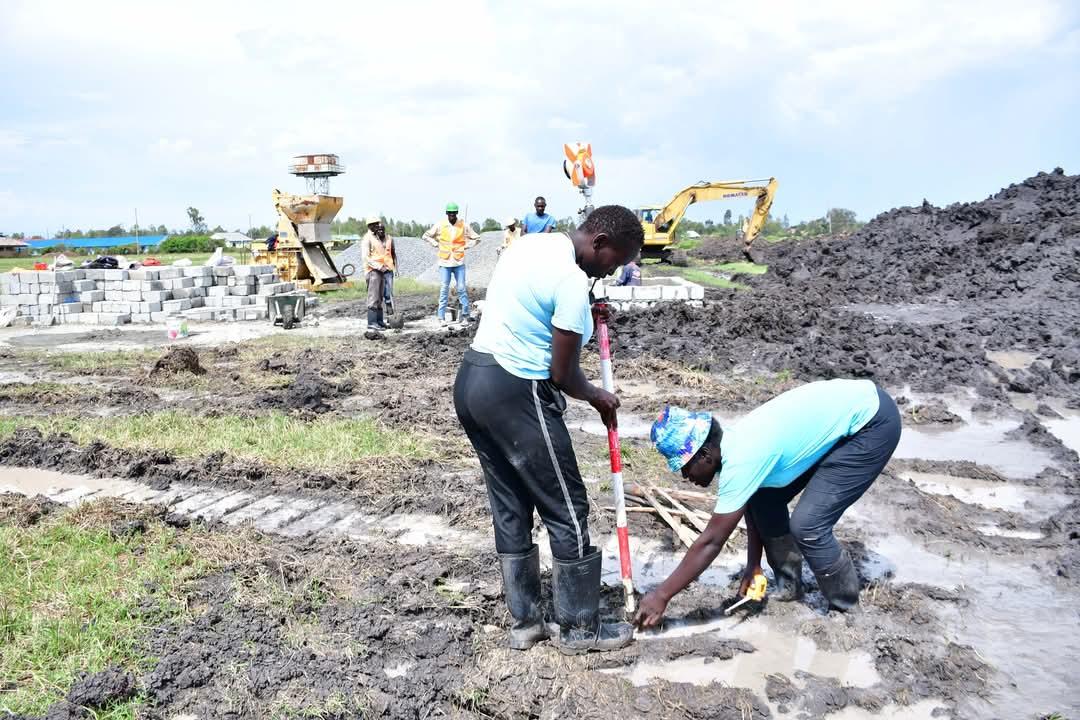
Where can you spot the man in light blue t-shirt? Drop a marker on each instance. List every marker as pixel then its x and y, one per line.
pixel 828 440
pixel 539 221
pixel 509 398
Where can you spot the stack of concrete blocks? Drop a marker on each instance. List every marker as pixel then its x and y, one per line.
pixel 146 295
pixel 652 291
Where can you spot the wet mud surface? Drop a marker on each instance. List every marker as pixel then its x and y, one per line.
pixel 978 301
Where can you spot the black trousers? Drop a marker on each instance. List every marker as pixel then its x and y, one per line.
pixel 516 427
pixel 829 488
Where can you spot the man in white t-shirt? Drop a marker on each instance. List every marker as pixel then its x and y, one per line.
pixel 509 398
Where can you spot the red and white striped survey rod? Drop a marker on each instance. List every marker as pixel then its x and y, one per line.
pixel 621 529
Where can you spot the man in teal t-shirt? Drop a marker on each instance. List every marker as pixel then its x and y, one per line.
pixel 828 440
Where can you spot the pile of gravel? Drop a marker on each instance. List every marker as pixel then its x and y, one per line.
pixel 416 259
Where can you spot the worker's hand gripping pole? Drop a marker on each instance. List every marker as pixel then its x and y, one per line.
pixel 621 529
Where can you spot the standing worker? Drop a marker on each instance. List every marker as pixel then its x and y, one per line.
pixel 631 274
pixel 449 237
pixel 509 398
pixel 539 221
pixel 380 260
pixel 828 440
pixel 511 233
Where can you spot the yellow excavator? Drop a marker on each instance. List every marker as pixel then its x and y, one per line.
pixel 659 221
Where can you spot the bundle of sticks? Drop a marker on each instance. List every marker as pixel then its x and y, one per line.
pixel 685 511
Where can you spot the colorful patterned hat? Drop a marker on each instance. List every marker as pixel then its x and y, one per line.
pixel 678 434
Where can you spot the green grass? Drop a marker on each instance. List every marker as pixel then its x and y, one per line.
pixel 402 286
pixel 735 268
pixel 702 277
pixel 68 602
pixel 276 438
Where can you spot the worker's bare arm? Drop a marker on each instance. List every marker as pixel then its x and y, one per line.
pixel 566 373
pixel 697 559
pixel 753 554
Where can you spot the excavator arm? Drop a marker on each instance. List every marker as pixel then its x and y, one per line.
pixel 763 191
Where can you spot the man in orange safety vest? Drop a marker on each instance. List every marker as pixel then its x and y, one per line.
pixel 451 238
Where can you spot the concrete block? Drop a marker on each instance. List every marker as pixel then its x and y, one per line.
pixel 159 316
pixel 144 274
pixel 170 273
pixel 212 301
pixel 204 282
pixel 44 276
pixel 112 285
pixel 643 292
pixel 130 285
pixel 198 271
pixel 697 292
pixel 151 285
pixel 9 300
pixel 95 274
pixel 674 292
pixel 114 295
pixel 87 318
pixel 217 291
pixel 116 307
pixel 241 290
pixel 157 295
pixel 147 307
pixel 223 271
pixel 92 296
pixel 140 317
pixel 114 318
pixel 616 292
pixel 133 295
pixel 115 275
pixel 85 285
pixel 233 301
pixel 175 306
pixel 68 275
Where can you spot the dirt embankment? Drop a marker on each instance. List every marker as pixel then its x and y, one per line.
pixel 917 296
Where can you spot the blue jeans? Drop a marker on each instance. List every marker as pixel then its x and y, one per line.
pixel 829 488
pixel 458 273
pixel 388 286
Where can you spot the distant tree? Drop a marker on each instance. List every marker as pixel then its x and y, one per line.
pixel 842 220
pixel 198 222
pixel 263 232
pixel 491 224
pixel 566 224
pixel 114 231
pixel 727 217
pixel 219 229
pixel 785 223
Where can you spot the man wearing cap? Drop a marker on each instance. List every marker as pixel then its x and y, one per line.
pixel 539 221
pixel 451 238
pixel 380 260
pixel 828 440
pixel 511 233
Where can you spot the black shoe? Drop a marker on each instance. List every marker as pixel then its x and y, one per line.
pixel 840 583
pixel 521 588
pixel 786 563
pixel 576 586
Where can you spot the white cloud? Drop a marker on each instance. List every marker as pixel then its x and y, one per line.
pixel 424 99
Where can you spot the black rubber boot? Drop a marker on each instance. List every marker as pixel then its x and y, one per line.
pixel 576 585
pixel 382 323
pixel 786 563
pixel 840 583
pixel 521 587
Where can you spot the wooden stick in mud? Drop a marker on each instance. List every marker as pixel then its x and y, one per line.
pixel 635 489
pixel 651 510
pixel 690 515
pixel 685 534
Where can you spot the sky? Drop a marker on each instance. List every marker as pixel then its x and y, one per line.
pixel 109 107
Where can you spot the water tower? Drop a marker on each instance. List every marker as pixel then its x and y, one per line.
pixel 317 171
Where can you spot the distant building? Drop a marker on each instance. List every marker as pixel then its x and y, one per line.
pixel 146 243
pixel 12 247
pixel 232 239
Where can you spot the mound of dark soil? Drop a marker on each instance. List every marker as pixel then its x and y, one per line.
pixel 22 511
pixel 178 360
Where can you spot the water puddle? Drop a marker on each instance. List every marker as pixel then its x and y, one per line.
pixel 1065 428
pixel 982 442
pixel 1012 359
pixel 775 652
pixel 997 531
pixel 913 313
pixel 1035 502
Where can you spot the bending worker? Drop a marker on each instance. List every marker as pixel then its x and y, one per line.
pixel 451 238
pixel 509 398
pixel 828 440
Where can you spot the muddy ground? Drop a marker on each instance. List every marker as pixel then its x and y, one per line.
pixel 967 314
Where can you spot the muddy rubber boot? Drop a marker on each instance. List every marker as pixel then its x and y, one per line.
pixel 521 588
pixel 382 323
pixel 373 320
pixel 577 608
pixel 786 563
pixel 840 584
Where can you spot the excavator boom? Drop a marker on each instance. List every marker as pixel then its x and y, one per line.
pixel 660 228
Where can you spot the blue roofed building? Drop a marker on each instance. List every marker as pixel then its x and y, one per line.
pixel 146 242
